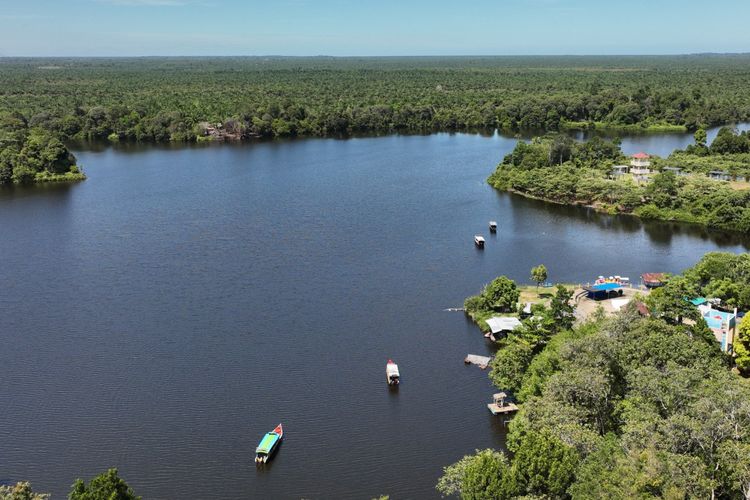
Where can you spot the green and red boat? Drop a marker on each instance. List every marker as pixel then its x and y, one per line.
pixel 268 445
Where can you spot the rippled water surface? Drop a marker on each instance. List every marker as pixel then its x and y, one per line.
pixel 164 314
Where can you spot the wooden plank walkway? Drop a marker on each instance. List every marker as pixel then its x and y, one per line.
pixel 496 409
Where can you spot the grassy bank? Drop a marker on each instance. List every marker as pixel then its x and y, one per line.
pixel 526 293
pixel 66 177
pixel 643 127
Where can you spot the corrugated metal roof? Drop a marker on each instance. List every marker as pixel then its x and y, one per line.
pixel 503 324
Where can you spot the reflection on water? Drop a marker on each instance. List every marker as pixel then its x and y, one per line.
pixel 57 190
pixel 659 232
pixel 164 314
pixel 660 144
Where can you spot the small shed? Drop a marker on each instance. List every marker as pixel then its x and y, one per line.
pixel 499 405
pixel 619 170
pixel 500 324
pixel 719 175
pixel 675 170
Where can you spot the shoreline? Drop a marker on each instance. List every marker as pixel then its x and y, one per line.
pixel 612 210
pixel 511 133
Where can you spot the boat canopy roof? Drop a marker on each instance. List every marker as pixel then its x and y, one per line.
pixel 606 287
pixel 392 370
pixel 267 443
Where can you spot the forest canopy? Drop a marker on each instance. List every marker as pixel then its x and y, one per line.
pixel 627 407
pixel 30 154
pixel 557 168
pixel 186 99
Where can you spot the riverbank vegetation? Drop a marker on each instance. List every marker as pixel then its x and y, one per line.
pixel 32 154
pixel 106 486
pixel 557 169
pixel 630 406
pixel 189 99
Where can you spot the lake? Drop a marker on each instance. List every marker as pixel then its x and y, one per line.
pixel 164 314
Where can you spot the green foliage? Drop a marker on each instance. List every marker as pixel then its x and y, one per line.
pixel 501 294
pixel 742 346
pixel 539 274
pixel 585 180
pixel 32 154
pixel 106 486
pixel 21 491
pixel 728 141
pixel 543 465
pixel 547 362
pixel 561 310
pixel 165 99
pixel 631 407
pixel 672 301
pixel 510 363
pixel 723 275
pixel 482 476
pixel 611 472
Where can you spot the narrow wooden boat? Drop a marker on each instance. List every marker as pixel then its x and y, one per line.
pixel 391 373
pixel 268 445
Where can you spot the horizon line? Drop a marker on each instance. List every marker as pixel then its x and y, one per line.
pixel 327 56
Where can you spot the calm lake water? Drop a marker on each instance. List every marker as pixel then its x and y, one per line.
pixel 164 314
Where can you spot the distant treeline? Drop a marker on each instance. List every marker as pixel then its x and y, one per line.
pixel 558 169
pixel 184 99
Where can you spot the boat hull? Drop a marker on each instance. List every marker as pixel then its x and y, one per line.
pixel 268 445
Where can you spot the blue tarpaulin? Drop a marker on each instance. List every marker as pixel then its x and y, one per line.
pixel 605 287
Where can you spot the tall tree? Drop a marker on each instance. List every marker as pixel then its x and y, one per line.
pixel 561 310
pixel 483 476
pixel 502 294
pixel 106 486
pixel 539 274
pixel 742 346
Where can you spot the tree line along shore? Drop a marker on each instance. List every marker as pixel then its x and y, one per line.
pixel 642 403
pixel 706 185
pixel 217 99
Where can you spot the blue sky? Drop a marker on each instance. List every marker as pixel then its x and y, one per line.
pixel 365 27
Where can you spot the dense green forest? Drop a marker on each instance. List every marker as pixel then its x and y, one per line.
pixel 33 154
pixel 183 99
pixel 626 407
pixel 556 168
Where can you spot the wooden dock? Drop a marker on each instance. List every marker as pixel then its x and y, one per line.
pixel 481 361
pixel 500 410
pixel 499 406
